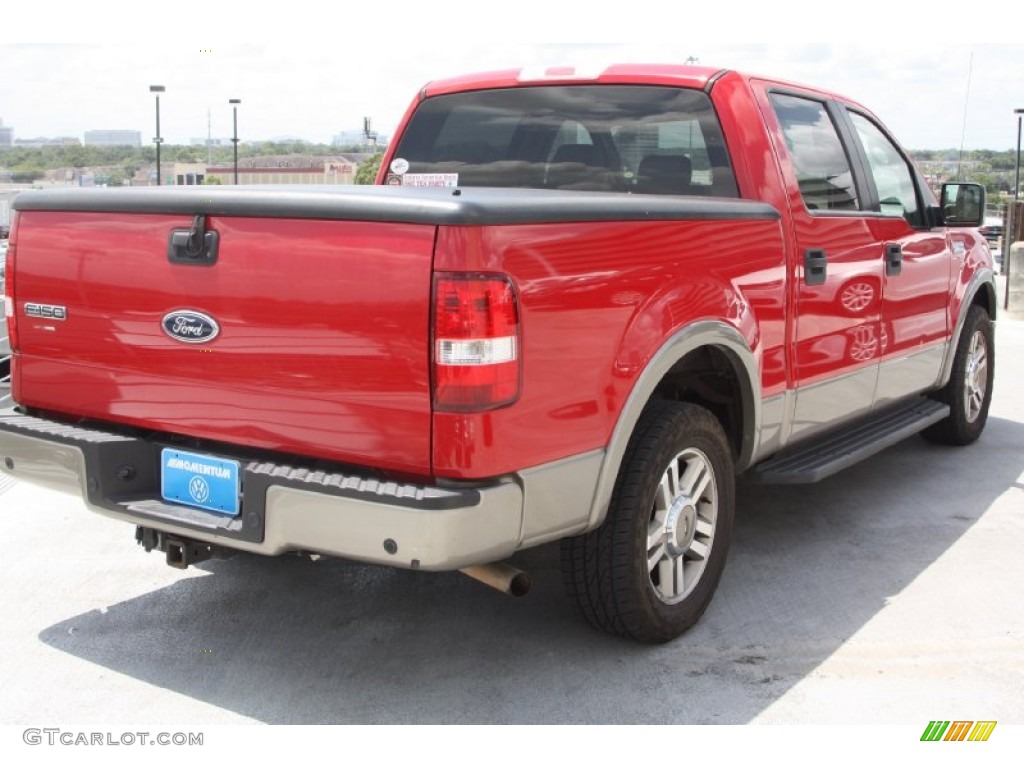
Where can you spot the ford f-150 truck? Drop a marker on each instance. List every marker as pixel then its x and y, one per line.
pixel 574 307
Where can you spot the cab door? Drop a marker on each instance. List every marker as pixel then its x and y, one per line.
pixel 916 285
pixel 837 267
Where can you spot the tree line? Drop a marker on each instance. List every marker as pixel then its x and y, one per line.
pixel 26 164
pixel 994 169
pixel 995 160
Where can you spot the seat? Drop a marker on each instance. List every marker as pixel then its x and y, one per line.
pixel 664 175
pixel 586 154
pixel 578 166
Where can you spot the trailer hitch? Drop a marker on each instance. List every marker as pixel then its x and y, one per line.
pixel 180 552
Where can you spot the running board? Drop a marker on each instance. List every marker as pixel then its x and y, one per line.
pixel 838 450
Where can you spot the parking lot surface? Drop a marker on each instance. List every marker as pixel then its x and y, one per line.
pixel 886 595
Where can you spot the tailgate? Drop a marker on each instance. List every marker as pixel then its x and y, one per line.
pixel 318 343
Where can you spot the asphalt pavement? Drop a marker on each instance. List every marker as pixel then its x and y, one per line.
pixel 889 594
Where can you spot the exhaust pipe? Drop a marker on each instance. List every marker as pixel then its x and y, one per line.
pixel 502 577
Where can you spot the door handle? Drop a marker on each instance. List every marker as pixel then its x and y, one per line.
pixel 893 259
pixel 815 266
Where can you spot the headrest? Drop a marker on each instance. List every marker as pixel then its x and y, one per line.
pixel 664 175
pixel 587 154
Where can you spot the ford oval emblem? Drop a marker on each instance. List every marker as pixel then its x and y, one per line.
pixel 190 326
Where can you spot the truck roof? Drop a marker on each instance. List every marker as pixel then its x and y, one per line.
pixel 679 75
pixel 655 74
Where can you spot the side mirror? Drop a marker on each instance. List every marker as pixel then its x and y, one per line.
pixel 963 205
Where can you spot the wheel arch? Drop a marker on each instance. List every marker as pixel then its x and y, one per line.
pixel 980 291
pixel 676 372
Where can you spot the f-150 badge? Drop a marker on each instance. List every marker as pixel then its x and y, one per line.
pixel 47 311
pixel 190 326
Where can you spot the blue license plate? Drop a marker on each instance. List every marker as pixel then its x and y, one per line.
pixel 200 481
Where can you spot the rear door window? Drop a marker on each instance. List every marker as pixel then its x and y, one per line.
pixel 819 160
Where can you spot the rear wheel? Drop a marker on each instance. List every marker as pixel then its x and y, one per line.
pixel 650 571
pixel 969 390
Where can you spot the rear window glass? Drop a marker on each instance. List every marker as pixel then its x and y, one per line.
pixel 605 138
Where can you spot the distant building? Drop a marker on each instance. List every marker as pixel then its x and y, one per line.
pixel 348 139
pixel 188 174
pixel 368 141
pixel 42 141
pixel 6 135
pixel 295 169
pixel 209 142
pixel 287 140
pixel 113 138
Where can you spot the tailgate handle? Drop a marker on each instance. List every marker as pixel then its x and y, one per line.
pixel 195 245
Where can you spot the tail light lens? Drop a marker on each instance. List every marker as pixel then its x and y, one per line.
pixel 9 316
pixel 476 342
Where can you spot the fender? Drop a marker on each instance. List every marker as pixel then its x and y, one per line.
pixel 706 333
pixel 983 279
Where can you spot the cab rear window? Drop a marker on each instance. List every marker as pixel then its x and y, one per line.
pixel 599 138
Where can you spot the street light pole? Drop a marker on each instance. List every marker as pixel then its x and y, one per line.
pixel 157 89
pixel 234 140
pixel 1016 174
pixel 1010 234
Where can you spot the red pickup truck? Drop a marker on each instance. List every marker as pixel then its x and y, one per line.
pixel 574 307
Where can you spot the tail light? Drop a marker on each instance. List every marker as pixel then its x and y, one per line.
pixel 12 324
pixel 476 342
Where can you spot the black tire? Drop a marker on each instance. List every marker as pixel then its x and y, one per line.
pixel 969 390
pixel 609 571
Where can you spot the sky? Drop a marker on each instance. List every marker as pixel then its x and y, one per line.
pixel 304 71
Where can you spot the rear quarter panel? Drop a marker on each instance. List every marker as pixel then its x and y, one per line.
pixel 598 300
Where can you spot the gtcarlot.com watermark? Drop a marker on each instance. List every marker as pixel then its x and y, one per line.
pixel 57 737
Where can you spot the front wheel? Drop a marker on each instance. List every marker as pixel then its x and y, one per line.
pixel 969 390
pixel 650 571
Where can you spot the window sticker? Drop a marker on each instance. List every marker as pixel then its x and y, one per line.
pixel 399 166
pixel 430 180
